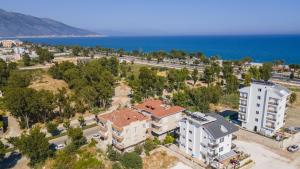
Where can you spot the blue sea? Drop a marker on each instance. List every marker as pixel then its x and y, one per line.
pixel 260 48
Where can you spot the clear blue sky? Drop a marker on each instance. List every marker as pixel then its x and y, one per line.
pixel 167 17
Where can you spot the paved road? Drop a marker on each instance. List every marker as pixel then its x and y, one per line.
pixel 87 133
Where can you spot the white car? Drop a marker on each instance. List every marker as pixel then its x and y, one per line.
pixel 60 146
pixel 96 136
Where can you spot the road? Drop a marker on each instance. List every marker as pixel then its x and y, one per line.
pixel 86 133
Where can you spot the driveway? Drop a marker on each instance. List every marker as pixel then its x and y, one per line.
pixel 264 157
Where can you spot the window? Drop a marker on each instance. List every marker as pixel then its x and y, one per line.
pixel 190 132
pixel 256 119
pixel 190 149
pixel 257 112
pixel 258 97
pixel 220 149
pixel 222 140
pixel 257 104
pixel 182 145
pixel 190 140
pixel 259 89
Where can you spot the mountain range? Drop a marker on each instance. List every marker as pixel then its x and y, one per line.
pixel 14 24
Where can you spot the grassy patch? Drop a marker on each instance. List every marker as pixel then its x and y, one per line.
pixel 231 100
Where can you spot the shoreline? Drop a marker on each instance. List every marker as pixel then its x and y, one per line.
pixel 54 36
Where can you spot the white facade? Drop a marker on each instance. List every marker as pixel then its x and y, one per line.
pixel 262 107
pixel 206 137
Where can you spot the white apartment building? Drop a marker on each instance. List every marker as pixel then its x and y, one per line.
pixel 164 117
pixel 123 129
pixel 262 107
pixel 207 137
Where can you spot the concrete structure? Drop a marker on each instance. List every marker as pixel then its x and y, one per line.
pixel 124 129
pixel 262 107
pixel 164 118
pixel 207 137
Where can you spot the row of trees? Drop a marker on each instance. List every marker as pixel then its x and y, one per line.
pixel 262 73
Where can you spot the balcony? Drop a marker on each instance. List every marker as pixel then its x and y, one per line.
pixel 157 124
pixel 213 145
pixel 273 103
pixel 212 154
pixel 243 97
pixel 103 134
pixel 157 130
pixel 270 126
pixel 103 128
pixel 119 146
pixel 244 112
pixel 271 119
pixel 243 104
pixel 272 111
pixel 117 137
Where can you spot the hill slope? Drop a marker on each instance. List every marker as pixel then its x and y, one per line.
pixel 16 24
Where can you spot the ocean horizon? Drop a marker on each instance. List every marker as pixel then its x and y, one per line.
pixel 262 48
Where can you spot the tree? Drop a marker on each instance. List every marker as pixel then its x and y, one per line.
pixel 293 98
pixel 26 59
pixel 132 161
pixel 247 79
pixel 66 124
pixel 227 69
pixel 254 72
pixel 169 139
pixel 149 145
pixel 81 121
pixel 232 84
pixel 208 75
pixel 138 149
pixel 195 75
pixel 44 55
pixel 76 50
pixel 112 154
pixel 2 150
pixel 34 145
pixel 76 136
pixel 52 128
pixel 292 75
pixel 181 99
pixel 266 71
pixel 19 79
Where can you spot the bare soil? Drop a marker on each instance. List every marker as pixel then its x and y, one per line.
pixel 46 82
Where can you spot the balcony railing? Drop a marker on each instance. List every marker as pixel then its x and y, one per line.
pixel 242 112
pixel 270 126
pixel 273 103
pixel 271 118
pixel 213 145
pixel 103 134
pixel 243 104
pixel 243 97
pixel 103 128
pixel 119 146
pixel 157 124
pixel 272 111
pixel 117 137
pixel 212 154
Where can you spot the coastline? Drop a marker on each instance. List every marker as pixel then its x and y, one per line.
pixel 54 36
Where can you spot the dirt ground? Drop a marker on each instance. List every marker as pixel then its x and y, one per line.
pixel 121 98
pixel 46 82
pixel 293 113
pixel 263 154
pixel 159 159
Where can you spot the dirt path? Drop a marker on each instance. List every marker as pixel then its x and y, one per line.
pixel 121 98
pixel 14 129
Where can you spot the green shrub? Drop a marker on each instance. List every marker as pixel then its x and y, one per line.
pixel 132 161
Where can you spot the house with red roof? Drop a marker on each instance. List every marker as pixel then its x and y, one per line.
pixel 124 128
pixel 164 117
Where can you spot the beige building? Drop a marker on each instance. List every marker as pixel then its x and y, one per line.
pixel 124 129
pixel 10 43
pixel 164 118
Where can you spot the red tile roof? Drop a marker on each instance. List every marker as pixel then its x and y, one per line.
pixel 158 109
pixel 123 117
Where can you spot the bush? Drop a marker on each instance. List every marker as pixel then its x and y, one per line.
pixel 132 161
pixel 117 165
pixel 169 139
pixel 112 154
pixel 138 149
pixel 149 145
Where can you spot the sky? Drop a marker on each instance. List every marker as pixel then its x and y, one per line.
pixel 168 17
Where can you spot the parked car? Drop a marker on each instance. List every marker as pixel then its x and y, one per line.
pixel 293 148
pixel 60 146
pixel 96 136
